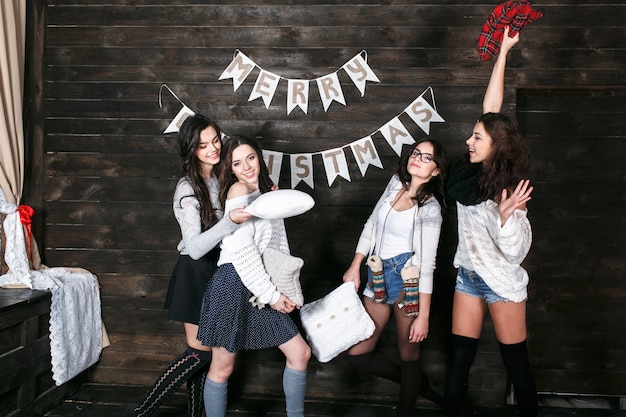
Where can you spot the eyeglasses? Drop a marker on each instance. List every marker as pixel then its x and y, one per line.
pixel 424 157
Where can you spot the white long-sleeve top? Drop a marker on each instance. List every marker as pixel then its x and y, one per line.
pixel 426 232
pixel 244 249
pixel 493 251
pixel 195 242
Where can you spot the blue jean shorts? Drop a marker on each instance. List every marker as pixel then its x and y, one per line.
pixel 393 279
pixel 470 283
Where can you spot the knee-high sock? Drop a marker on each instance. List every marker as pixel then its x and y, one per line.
pixel 215 398
pixel 462 353
pixel 175 374
pixel 515 359
pixel 195 393
pixel 410 379
pixel 294 386
pixel 376 364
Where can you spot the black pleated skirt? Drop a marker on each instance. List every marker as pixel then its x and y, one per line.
pixel 187 285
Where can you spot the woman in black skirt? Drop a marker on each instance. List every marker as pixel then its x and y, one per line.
pixel 203 225
pixel 229 322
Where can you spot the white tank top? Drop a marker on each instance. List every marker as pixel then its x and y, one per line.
pixel 397 227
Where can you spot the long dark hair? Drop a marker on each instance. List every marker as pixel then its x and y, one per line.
pixel 188 142
pixel 508 161
pixel 226 176
pixel 436 186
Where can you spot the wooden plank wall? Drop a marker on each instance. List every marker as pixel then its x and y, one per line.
pixel 107 172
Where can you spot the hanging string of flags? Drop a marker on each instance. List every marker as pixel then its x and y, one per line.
pixel 298 90
pixel 335 162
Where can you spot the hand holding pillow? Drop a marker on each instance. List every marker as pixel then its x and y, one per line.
pixel 280 204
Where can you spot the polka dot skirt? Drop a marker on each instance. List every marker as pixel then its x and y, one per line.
pixel 228 320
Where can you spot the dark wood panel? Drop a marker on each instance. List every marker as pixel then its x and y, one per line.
pixel 339 15
pixel 109 173
pixel 410 37
pixel 434 75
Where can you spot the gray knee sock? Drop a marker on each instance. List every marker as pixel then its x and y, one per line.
pixel 215 395
pixel 294 386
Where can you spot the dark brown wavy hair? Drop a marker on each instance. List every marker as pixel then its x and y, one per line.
pixel 226 176
pixel 188 141
pixel 436 186
pixel 508 161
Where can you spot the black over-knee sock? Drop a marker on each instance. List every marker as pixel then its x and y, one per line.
pixel 410 380
pixel 462 353
pixel 177 372
pixel 195 392
pixel 375 364
pixel 515 359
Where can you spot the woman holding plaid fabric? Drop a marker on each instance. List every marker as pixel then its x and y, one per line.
pixel 399 242
pixel 491 189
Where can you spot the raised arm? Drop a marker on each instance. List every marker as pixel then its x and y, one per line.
pixel 494 96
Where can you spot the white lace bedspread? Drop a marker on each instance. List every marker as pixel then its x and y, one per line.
pixel 76 329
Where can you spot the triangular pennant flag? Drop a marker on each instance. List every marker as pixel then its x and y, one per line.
pixel 330 89
pixel 301 169
pixel 274 161
pixel 297 95
pixel 360 72
pixel 365 154
pixel 184 113
pixel 240 67
pixel 396 135
pixel 335 165
pixel 265 87
pixel 423 114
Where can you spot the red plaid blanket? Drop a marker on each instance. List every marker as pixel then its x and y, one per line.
pixel 514 13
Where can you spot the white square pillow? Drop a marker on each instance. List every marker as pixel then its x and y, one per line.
pixel 284 271
pixel 280 204
pixel 336 322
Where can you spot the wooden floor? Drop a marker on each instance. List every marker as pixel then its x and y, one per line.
pixel 93 400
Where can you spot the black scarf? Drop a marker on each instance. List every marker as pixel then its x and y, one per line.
pixel 463 182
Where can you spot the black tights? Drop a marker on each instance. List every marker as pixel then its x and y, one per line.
pixel 406 373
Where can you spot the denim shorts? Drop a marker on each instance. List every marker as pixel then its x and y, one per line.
pixel 393 279
pixel 470 283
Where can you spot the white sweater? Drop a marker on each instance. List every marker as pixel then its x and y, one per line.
pixel 425 234
pixel 245 247
pixel 493 251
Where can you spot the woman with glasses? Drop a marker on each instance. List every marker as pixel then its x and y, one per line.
pixel 399 242
pixel 491 189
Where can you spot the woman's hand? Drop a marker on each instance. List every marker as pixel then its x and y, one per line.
pixel 508 42
pixel 517 199
pixel 284 305
pixel 419 329
pixel 239 215
pixel 354 276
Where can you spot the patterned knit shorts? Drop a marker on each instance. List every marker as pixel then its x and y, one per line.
pixel 228 320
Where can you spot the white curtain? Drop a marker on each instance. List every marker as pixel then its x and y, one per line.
pixel 12 38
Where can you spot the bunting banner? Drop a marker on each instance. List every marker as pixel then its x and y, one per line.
pixel 421 111
pixel 298 90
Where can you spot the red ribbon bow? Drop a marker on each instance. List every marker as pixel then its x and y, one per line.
pixel 26 214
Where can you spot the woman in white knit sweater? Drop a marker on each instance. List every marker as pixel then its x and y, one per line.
pixel 399 241
pixel 202 224
pixel 228 321
pixel 491 189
